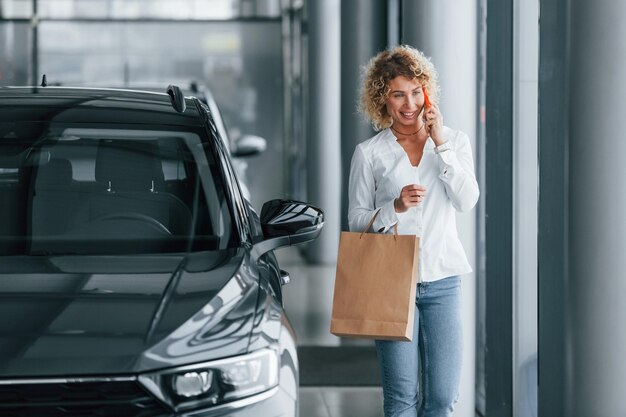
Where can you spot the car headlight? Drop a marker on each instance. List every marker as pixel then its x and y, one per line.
pixel 215 382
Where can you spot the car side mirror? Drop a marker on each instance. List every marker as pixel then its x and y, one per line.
pixel 249 145
pixel 287 222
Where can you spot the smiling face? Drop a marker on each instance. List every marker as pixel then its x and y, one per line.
pixel 405 103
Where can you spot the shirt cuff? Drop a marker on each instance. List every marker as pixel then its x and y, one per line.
pixel 386 218
pixel 442 148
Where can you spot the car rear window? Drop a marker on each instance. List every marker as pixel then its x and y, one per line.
pixel 103 189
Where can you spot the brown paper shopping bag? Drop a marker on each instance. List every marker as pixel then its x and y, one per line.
pixel 375 285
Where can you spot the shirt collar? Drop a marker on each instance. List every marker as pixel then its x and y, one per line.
pixel 390 136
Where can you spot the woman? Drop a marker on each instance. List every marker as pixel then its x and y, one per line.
pixel 418 173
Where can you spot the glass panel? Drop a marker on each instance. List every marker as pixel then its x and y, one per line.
pixel 138 9
pixel 15 44
pixel 16 9
pixel 525 215
pixel 241 63
pixel 80 53
pixel 158 9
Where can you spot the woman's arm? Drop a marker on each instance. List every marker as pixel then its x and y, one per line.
pixel 361 197
pixel 456 171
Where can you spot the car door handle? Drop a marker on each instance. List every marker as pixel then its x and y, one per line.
pixel 285 278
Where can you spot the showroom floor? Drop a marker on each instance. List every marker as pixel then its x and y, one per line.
pixel 341 402
pixel 341 382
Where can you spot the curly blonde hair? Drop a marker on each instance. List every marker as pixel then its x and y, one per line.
pixel 401 60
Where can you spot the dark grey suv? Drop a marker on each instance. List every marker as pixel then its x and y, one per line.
pixel 135 280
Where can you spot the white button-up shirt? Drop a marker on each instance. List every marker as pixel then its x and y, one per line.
pixel 381 168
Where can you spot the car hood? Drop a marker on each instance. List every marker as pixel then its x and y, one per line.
pixel 73 316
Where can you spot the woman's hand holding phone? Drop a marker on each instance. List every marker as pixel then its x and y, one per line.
pixel 433 120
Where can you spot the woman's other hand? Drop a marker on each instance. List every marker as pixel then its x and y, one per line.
pixel 410 196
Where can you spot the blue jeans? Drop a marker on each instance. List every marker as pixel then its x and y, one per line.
pixel 437 346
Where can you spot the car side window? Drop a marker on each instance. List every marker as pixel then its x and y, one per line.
pixel 239 205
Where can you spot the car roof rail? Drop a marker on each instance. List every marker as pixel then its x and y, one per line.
pixel 177 98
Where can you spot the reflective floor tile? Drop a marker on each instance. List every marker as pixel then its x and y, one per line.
pixel 341 402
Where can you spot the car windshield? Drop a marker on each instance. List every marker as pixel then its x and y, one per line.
pixel 105 189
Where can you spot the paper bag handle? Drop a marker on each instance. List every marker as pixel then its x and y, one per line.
pixel 395 226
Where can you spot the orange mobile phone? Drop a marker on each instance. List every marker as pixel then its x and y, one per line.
pixel 426 99
pixel 426 103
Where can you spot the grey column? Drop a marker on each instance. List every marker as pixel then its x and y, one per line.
pixel 324 141
pixel 597 226
pixel 446 30
pixel 363 35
